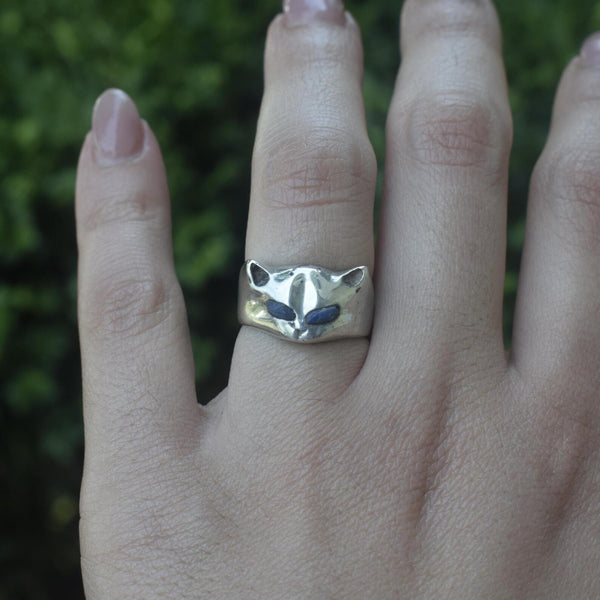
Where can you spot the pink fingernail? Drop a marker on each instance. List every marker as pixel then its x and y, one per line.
pixel 303 12
pixel 117 127
pixel 590 51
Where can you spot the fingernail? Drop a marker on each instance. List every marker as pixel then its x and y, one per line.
pixel 117 127
pixel 303 12
pixel 590 51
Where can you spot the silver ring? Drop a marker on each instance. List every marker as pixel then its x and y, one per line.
pixel 305 303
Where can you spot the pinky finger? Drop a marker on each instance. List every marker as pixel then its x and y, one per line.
pixel 556 339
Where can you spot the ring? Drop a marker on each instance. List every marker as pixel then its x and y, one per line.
pixel 306 303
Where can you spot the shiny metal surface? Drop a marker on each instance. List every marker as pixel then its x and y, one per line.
pixel 306 304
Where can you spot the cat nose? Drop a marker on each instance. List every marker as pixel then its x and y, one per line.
pixel 300 326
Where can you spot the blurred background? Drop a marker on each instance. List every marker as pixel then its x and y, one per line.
pixel 194 68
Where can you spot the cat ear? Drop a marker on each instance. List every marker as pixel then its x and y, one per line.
pixel 258 275
pixel 354 277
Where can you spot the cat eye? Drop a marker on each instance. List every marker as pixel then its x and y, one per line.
pixel 322 316
pixel 280 310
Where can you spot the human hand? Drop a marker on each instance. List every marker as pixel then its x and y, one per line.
pixel 422 463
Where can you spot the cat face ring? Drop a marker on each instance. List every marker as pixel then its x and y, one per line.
pixel 306 304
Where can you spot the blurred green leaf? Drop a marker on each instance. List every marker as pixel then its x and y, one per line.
pixel 30 389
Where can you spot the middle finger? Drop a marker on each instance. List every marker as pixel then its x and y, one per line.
pixel 440 266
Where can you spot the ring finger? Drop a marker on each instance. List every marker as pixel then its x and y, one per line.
pixel 313 185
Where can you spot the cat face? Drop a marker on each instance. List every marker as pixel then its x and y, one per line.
pixel 302 303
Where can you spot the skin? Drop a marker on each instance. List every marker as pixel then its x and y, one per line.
pixel 422 463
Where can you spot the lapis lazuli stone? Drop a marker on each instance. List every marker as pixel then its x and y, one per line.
pixel 280 310
pixel 322 316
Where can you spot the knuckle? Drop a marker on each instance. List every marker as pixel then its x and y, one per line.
pixel 129 306
pixel 569 179
pixel 318 167
pixel 564 442
pixel 558 429
pixel 454 130
pixel 334 48
pixel 120 205
pixel 442 17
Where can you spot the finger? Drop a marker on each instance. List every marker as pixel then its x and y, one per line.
pixel 138 374
pixel 557 333
pixel 313 180
pixel 442 228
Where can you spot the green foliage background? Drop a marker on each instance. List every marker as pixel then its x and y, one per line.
pixel 194 69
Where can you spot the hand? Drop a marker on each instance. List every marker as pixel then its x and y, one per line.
pixel 423 463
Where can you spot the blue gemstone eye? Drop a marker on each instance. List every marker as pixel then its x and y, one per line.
pixel 322 316
pixel 280 310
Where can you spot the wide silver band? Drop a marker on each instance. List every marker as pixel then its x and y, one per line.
pixel 306 304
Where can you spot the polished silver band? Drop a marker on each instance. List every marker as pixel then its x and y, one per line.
pixel 305 303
